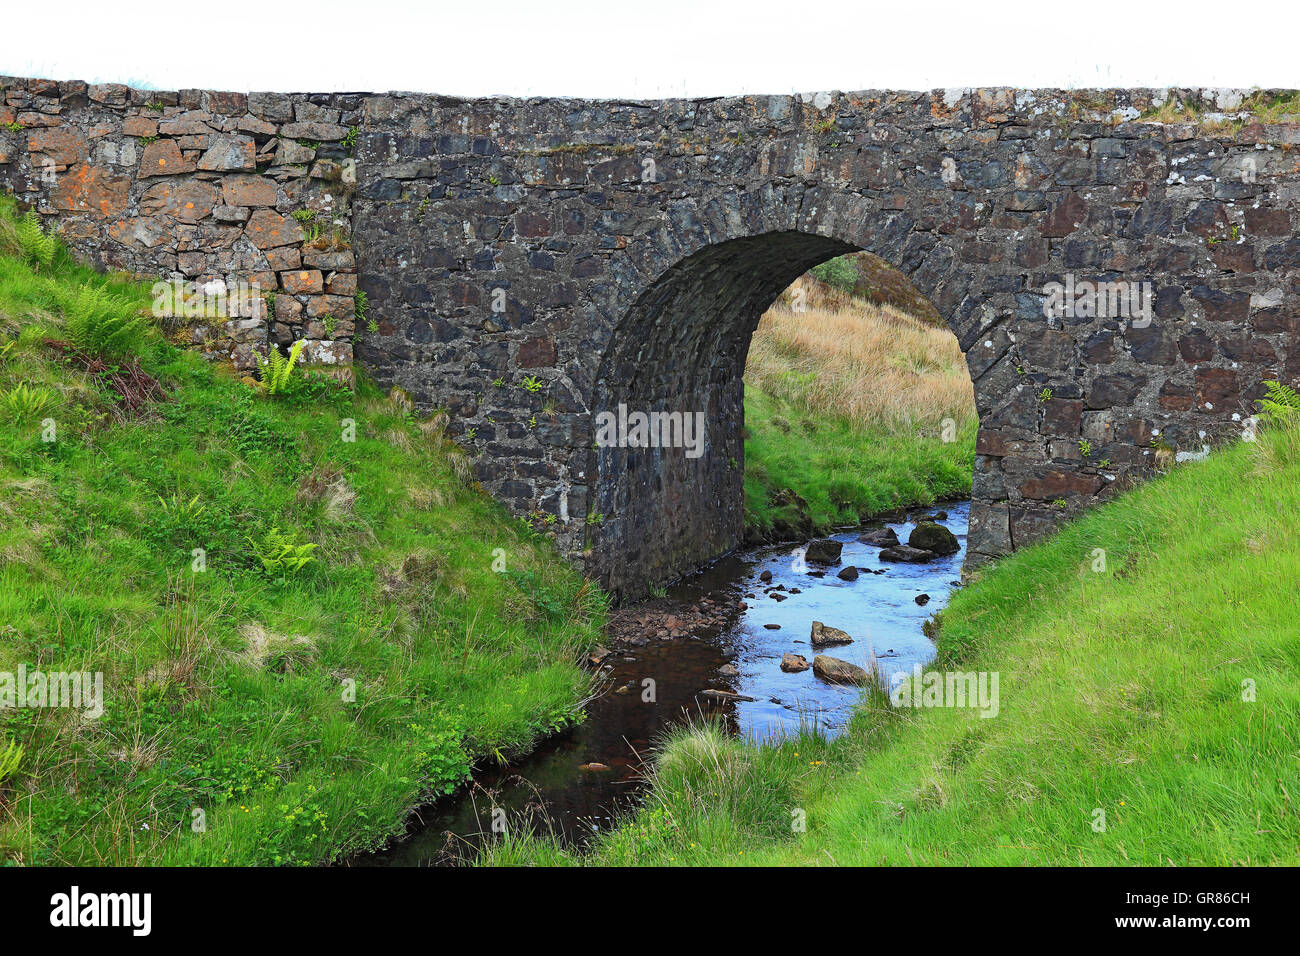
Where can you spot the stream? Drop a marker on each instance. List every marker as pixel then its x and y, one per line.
pixel 579 782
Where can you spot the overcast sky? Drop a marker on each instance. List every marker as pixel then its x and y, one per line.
pixel 649 48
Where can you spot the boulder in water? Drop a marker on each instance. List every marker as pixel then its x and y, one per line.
pixel 822 635
pixel 907 554
pixel 884 537
pixel 929 536
pixel 839 672
pixel 823 551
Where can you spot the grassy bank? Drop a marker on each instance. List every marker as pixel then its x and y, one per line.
pixel 1149 709
pixel 850 410
pixel 252 713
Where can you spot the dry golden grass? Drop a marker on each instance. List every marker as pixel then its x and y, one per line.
pixel 871 365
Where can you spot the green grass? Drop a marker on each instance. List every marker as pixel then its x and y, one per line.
pixel 304 714
pixel 843 471
pixel 1121 690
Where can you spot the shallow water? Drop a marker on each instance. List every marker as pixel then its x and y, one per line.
pixel 662 681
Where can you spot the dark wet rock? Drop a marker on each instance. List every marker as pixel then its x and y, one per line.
pixel 823 634
pixel 598 654
pixel 848 574
pixel 823 551
pixel 837 671
pixel 765 576
pixel 929 536
pixel 729 670
pixel 883 537
pixel 796 591
pixel 778 596
pixel 816 574
pixel 923 599
pixel 907 554
pixel 723 694
pixel 939 516
pixel 793 663
pixel 773 627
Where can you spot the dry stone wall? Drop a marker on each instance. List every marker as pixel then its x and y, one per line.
pixel 249 194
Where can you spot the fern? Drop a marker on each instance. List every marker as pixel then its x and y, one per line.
pixel 100 323
pixel 280 554
pixel 1281 405
pixel 37 246
pixel 275 369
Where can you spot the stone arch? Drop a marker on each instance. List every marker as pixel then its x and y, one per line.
pixel 680 345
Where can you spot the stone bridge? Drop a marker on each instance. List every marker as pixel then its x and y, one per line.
pixel 530 264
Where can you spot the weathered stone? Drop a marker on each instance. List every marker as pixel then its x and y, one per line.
pixel 229 153
pixel 87 188
pixel 884 537
pixel 305 281
pixel 906 554
pixel 837 671
pixel 823 634
pixel 793 663
pixel 823 551
pixel 267 229
pixel 164 158
pixel 928 536
pixel 247 191
pixel 188 201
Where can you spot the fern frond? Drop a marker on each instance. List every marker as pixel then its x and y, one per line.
pixel 1280 405
pixel 37 246
pixel 100 323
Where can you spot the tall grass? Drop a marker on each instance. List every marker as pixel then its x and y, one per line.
pixel 853 409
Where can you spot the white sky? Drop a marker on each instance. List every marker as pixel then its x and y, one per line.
pixel 650 48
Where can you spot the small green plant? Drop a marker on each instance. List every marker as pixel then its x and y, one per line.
pixel 37 245
pixel 361 306
pixel 1085 447
pixel 280 554
pixel 14 127
pixel 494 179
pixel 6 349
pixel 1104 463
pixel 330 324
pixel 532 422
pixel 10 757
pixel 1280 405
pixel 275 369
pixel 156 107
pixel 23 402
pixel 350 141
pixel 533 384
pixel 595 517
pixel 471 434
pixel 177 511
pixel 304 215
pixel 103 324
pixel 499 382
pixel 1045 395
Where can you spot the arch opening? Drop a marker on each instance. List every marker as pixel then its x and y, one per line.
pixel 660 509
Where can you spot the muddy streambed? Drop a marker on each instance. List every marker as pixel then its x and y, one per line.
pixel 578 782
